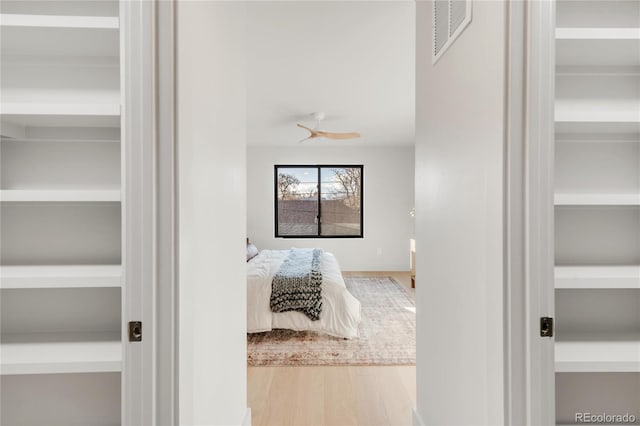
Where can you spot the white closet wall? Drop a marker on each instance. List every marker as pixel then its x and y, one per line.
pixel 597 214
pixel 60 200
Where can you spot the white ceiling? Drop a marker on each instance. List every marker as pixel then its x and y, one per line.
pixel 352 60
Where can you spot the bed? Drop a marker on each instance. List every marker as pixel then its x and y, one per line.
pixel 340 313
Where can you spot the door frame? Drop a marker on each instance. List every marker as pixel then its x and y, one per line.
pixel 149 370
pixel 529 258
pixel 138 253
pixel 529 246
pixel 167 216
pixel 540 286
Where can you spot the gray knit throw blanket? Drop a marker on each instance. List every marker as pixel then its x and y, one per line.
pixel 297 285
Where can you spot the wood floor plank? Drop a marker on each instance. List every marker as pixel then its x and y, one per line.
pixel 260 380
pixel 397 399
pixel 310 403
pixel 281 401
pixel 370 407
pixel 339 397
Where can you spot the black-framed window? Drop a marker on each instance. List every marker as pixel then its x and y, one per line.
pixel 319 201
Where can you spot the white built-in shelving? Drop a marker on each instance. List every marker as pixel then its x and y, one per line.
pixel 60 276
pixel 17 124
pixel 606 199
pixel 61 140
pixel 56 353
pixel 59 35
pixel 597 277
pixel 59 70
pixel 60 194
pixel 597 199
pixel 597 46
pixel 99 195
pixel 52 21
pixel 593 33
pixel 603 115
pixel 598 353
pixel 31 109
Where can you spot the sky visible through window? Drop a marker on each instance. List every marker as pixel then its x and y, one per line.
pixel 308 178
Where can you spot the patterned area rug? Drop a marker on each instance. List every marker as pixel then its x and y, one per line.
pixel 387 333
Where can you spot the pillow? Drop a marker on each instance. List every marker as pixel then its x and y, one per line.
pixel 252 251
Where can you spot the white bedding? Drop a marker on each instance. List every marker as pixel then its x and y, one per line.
pixel 340 314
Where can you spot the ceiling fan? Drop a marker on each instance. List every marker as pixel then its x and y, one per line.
pixel 317 133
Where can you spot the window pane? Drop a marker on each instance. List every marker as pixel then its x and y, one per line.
pixel 341 200
pixel 297 201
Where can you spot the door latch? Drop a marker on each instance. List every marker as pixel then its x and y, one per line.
pixel 546 327
pixel 135 331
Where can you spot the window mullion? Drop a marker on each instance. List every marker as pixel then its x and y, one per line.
pixel 319 191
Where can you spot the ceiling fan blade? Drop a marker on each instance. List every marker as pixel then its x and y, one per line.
pixel 313 133
pixel 338 136
pixel 328 135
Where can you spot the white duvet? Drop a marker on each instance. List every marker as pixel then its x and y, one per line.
pixel 340 314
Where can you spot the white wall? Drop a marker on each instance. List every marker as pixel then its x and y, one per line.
pixel 460 155
pixel 388 198
pixel 211 133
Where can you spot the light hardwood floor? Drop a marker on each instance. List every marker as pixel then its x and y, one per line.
pixel 341 395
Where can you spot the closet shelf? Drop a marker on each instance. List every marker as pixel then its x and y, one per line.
pixel 15 195
pixel 106 109
pixel 52 21
pixel 60 276
pixel 603 115
pixel 597 277
pixel 51 353
pixel 19 116
pixel 597 71
pixel 597 47
pixel 597 138
pixel 597 121
pixel 591 33
pixel 58 140
pixel 68 36
pixel 26 62
pixel 17 125
pixel 586 199
pixel 598 352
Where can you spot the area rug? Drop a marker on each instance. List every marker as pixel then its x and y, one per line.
pixel 387 333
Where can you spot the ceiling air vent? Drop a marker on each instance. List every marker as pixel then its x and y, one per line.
pixel 450 18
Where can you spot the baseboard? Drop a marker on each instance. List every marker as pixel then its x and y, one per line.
pixel 415 416
pixel 247 418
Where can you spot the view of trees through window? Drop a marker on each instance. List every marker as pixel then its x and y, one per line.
pixel 318 201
